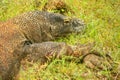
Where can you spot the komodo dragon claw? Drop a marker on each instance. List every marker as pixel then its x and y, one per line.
pixel 92 59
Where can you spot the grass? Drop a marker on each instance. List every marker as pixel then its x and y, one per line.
pixel 102 19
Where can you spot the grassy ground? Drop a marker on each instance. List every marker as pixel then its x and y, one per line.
pixel 103 27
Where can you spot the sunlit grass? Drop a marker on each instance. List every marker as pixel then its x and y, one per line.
pixel 102 18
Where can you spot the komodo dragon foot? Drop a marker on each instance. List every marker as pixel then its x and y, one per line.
pixel 45 51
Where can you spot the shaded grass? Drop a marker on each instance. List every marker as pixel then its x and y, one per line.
pixel 102 19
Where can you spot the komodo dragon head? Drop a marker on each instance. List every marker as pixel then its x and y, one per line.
pixel 44 26
pixel 63 25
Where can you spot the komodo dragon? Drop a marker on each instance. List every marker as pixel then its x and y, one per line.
pixel 28 34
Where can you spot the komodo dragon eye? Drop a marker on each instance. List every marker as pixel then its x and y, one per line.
pixel 66 20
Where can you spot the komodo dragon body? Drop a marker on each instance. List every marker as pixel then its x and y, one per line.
pixel 23 34
pixel 27 35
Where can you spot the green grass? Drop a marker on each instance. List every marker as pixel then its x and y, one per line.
pixel 102 18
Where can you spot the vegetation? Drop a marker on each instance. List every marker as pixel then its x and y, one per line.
pixel 102 18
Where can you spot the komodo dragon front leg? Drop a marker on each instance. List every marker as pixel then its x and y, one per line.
pixel 44 51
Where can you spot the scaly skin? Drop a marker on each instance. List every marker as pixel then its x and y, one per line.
pixel 29 35
pixel 17 35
